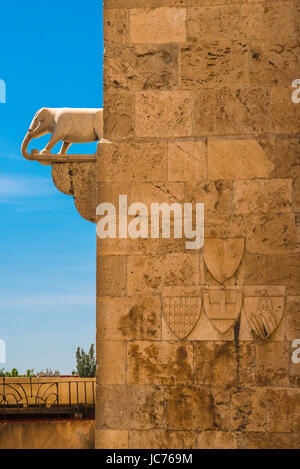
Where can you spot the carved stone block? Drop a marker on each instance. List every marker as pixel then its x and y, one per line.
pixel 182 308
pixel 162 25
pixel 163 114
pixel 222 306
pixel 223 256
pixel 264 306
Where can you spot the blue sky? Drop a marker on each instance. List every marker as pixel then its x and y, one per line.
pixel 50 56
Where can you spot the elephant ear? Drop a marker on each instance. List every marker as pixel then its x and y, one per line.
pixel 42 115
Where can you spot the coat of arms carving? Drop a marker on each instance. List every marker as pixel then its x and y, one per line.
pixel 222 306
pixel 222 256
pixel 264 307
pixel 182 308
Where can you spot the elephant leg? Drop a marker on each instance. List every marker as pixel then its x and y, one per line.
pixel 52 142
pixel 64 148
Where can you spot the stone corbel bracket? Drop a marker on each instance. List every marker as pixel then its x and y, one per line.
pixel 74 175
pixel 78 180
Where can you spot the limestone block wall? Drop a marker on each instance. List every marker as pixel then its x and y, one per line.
pixel 49 434
pixel 195 346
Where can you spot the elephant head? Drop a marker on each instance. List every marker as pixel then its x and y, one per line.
pixel 42 123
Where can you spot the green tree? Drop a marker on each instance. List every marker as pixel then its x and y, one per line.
pixel 86 362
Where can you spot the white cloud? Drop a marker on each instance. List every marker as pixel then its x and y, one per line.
pixel 14 187
pixel 42 303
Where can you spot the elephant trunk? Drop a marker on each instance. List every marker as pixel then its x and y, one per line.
pixel 25 144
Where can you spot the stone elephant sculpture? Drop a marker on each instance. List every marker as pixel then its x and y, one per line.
pixel 67 124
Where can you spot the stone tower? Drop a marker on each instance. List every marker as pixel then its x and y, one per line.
pixel 195 346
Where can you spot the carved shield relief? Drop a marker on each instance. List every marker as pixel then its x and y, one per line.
pixel 222 256
pixel 264 307
pixel 182 309
pixel 222 306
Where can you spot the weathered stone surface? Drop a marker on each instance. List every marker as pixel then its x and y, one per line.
pixel 293 317
pixel 47 434
pixel 223 256
pixel 274 62
pixel 78 179
pixel 129 246
pixel 129 318
pixel 285 270
pixel 110 192
pixel 297 217
pixel 232 112
pixel 224 363
pixel 172 246
pixel 111 439
pixel 255 269
pixel 264 290
pixel 162 363
pixel 75 179
pixel 186 160
pixel 111 275
pixel 272 364
pixel 87 207
pixel 251 107
pixel 214 64
pixel 141 67
pixel 249 409
pixel 285 113
pixel 271 234
pixel 197 408
pixel 216 196
pixel 237 159
pixel 271 20
pixel 216 440
pixel 149 274
pixel 116 26
pixel 283 410
pixel 262 196
pixel 163 114
pixel 141 3
pixel 130 162
pixel 217 227
pixel 130 407
pixel 256 440
pixel 62 178
pixel 296 196
pixel 118 116
pixel 294 371
pixel 215 21
pixel 161 439
pixel 154 192
pixel 287 157
pixel 108 352
pixel 159 25
pixel 163 3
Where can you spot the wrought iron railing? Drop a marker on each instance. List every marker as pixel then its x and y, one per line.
pixel 25 398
